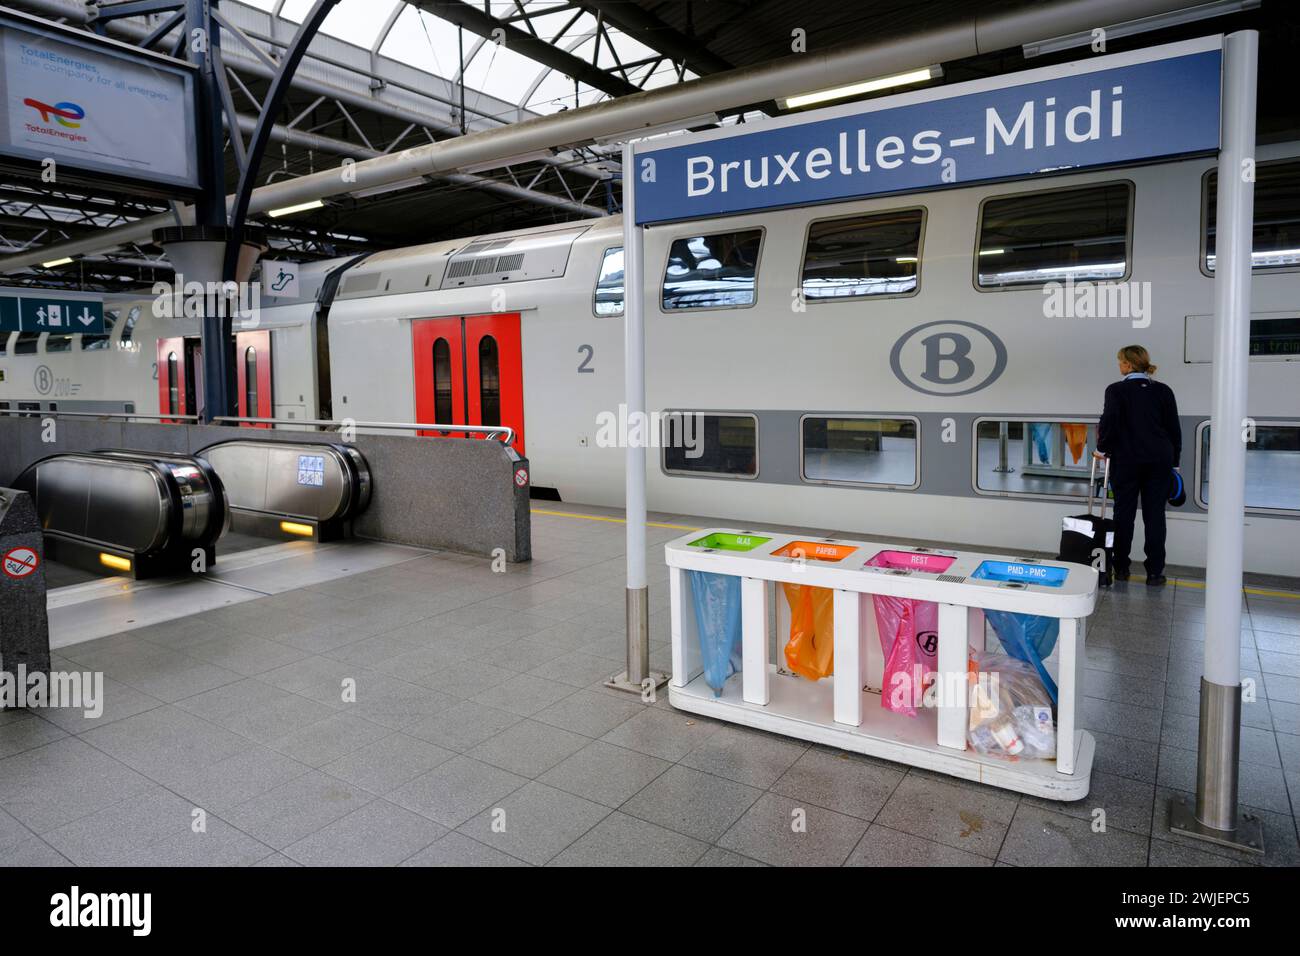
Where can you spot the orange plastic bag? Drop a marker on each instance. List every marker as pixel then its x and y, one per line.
pixel 1076 436
pixel 811 648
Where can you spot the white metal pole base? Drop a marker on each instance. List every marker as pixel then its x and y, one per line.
pixel 1247 837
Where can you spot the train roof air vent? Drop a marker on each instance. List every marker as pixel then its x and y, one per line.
pixel 542 255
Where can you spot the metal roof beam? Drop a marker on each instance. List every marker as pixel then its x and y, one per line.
pixel 641 24
pixel 522 41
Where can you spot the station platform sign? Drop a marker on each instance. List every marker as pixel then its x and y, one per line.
pixel 37 312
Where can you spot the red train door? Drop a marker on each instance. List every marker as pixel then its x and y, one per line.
pixel 172 385
pixel 469 371
pixel 253 375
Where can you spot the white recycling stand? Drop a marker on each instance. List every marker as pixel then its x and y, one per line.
pixel 844 710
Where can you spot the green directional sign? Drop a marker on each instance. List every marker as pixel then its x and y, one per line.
pixel 9 314
pixel 38 313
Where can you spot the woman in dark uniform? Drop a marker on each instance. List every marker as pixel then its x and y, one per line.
pixel 1139 432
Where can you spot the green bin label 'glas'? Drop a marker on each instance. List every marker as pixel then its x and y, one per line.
pixel 724 541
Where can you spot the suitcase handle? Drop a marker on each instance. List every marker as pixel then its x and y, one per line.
pixel 1092 485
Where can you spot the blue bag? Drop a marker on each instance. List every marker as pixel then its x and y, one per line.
pixel 1027 637
pixel 717 619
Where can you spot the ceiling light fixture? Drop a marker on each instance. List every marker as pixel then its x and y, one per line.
pixel 866 86
pixel 290 210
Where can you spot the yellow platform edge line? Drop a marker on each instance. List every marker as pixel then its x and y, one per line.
pixel 649 524
pixel 1178 582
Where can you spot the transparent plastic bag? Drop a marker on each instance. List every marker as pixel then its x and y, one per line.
pixel 717 620
pixel 1010 712
pixel 810 652
pixel 1029 638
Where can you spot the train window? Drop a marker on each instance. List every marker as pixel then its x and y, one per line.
pixel 696 443
pixel 4 343
pixel 1049 457
pixel 173 384
pixel 58 342
pixel 442 383
pixel 1029 239
pixel 609 283
pixel 128 327
pixel 1272 467
pixel 250 382
pixel 489 381
pixel 1276 243
pixel 712 272
pixel 863 255
pixel 859 451
pixel 98 340
pixel 25 344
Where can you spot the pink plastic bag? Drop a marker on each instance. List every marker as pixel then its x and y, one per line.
pixel 909 632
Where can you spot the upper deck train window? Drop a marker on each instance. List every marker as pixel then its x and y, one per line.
pixel 863 255
pixel 95 340
pixel 712 272
pixel 128 328
pixel 25 344
pixel 609 283
pixel 1029 239
pixel 58 342
pixel 1276 242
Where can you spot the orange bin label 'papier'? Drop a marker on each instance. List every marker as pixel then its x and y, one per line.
pixel 815 551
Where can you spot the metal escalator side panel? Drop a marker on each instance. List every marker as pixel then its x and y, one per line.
pixel 113 503
pixel 290 470
pixel 203 517
pixel 313 482
pixel 133 510
pixel 361 479
pixel 242 467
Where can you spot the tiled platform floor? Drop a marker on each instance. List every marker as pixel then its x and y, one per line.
pixel 481 734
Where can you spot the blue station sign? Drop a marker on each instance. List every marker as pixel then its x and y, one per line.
pixel 36 312
pixel 1122 108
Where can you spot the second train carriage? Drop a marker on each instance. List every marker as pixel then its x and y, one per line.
pixel 902 365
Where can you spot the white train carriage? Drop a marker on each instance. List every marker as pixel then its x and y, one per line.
pixel 928 365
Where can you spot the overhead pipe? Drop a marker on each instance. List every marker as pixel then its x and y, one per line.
pixel 800 73
pixel 328 144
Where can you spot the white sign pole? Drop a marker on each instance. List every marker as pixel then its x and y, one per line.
pixel 1216 818
pixel 638 606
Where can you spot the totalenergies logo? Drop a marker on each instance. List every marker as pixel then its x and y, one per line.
pixel 65 114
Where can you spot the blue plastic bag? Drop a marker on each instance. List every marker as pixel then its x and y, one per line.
pixel 717 619
pixel 1029 638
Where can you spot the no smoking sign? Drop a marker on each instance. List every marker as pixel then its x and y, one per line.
pixel 20 562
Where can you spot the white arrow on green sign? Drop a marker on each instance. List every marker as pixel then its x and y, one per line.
pixel 40 313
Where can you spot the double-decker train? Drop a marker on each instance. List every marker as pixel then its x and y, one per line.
pixel 927 365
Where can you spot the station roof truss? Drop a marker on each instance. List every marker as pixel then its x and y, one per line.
pixel 385 75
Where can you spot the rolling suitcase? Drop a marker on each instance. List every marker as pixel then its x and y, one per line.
pixel 1083 535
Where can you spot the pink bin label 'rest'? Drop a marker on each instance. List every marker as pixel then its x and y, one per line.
pixel 911 561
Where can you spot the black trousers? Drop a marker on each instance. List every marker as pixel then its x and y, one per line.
pixel 1132 481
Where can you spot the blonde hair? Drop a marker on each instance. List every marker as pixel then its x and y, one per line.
pixel 1138 357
